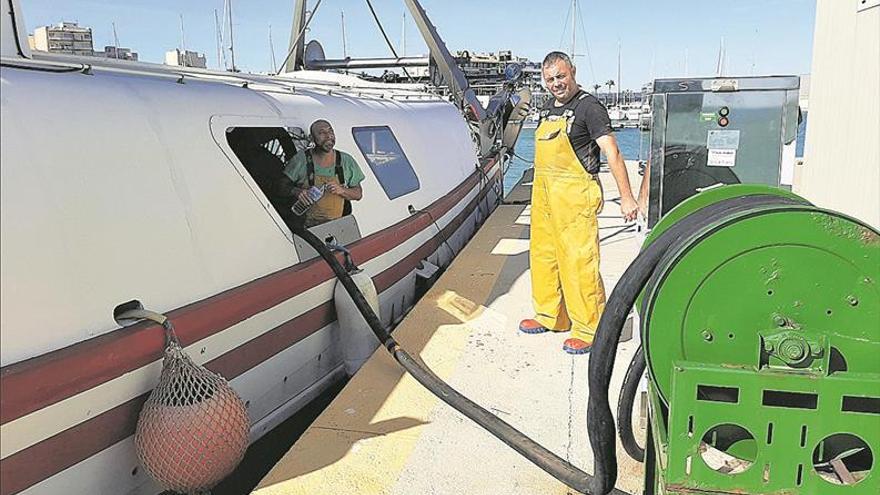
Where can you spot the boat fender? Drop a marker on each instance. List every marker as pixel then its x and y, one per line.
pixel 193 429
pixel 355 336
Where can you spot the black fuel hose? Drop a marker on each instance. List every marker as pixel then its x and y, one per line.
pixel 625 403
pixel 600 422
pixel 554 465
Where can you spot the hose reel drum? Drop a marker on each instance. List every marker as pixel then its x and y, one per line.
pixel 761 333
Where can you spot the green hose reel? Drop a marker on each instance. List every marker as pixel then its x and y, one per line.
pixel 762 337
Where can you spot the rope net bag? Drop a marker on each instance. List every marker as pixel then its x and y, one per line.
pixel 193 429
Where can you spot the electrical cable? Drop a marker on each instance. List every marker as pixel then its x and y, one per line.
pixel 495 187
pixel 480 189
pixel 413 211
pixel 625 403
pixel 518 201
pixel 387 41
pixel 624 229
pixel 528 448
pixel 521 158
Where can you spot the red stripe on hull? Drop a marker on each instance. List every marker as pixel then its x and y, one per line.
pixel 36 383
pixel 255 351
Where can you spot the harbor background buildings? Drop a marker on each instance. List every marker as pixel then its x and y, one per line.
pixel 118 53
pixel 64 37
pixel 70 38
pixel 185 58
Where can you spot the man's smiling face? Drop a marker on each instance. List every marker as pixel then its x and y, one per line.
pixel 559 78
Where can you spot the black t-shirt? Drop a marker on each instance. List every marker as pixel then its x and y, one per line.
pixel 587 121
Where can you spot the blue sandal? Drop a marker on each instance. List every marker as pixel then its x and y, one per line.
pixel 576 346
pixel 531 326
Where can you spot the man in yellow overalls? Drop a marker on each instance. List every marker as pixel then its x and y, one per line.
pixel 567 290
pixel 324 166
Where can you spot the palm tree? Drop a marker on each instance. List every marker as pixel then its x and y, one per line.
pixel 608 83
pixel 596 89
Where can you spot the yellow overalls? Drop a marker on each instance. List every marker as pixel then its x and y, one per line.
pixel 567 290
pixel 329 207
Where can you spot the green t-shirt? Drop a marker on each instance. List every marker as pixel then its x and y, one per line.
pixel 297 170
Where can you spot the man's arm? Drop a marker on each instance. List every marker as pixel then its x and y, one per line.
pixel 350 193
pixel 353 175
pixel 628 206
pixel 290 183
pixel 354 193
pixel 643 191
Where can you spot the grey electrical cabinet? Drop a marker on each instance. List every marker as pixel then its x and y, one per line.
pixel 707 132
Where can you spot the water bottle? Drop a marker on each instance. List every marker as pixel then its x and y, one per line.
pixel 314 193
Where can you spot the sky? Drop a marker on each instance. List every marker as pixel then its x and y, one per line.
pixel 657 38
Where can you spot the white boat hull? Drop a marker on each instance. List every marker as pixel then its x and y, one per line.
pixel 158 208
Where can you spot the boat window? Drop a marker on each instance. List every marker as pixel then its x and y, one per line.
pixel 263 151
pixel 386 159
pixel 301 139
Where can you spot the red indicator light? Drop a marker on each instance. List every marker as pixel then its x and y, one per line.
pixel 723 121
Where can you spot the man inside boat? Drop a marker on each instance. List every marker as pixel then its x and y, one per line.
pixel 323 166
pixel 567 289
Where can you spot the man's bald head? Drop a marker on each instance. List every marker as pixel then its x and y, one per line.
pixel 317 125
pixel 323 136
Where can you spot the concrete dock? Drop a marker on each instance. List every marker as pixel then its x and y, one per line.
pixel 385 434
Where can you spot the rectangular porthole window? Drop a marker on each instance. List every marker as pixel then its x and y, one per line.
pixel 386 159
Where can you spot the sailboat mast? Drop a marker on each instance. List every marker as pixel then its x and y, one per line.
pixel 183 41
pixel 719 68
pixel 403 35
pixel 231 38
pixel 573 27
pixel 344 42
pixel 272 51
pixel 617 98
pixel 115 40
pixel 219 42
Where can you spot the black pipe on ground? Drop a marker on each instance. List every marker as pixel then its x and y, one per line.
pixel 545 459
pixel 600 422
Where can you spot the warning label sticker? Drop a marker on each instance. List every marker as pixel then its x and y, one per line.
pixel 721 158
pixel 723 140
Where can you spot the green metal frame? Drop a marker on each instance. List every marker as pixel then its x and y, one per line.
pixel 785 437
